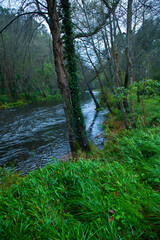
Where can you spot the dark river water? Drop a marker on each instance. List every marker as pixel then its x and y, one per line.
pixel 34 135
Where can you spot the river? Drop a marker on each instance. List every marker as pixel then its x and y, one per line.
pixel 33 135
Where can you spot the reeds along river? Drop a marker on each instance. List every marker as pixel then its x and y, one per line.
pixel 33 135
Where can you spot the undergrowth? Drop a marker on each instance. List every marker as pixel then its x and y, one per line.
pixel 23 100
pixel 83 200
pixel 113 195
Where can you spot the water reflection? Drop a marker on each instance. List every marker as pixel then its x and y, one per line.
pixel 93 122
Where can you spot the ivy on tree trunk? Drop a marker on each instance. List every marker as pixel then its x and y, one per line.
pixel 60 70
pixel 71 65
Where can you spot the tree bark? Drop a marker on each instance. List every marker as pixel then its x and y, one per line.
pixel 129 60
pixel 71 66
pixel 60 70
pixel 90 90
pixel 118 81
pixel 99 80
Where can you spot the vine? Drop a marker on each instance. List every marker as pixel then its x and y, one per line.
pixel 71 65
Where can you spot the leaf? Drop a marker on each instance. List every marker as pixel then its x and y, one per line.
pixel 98 219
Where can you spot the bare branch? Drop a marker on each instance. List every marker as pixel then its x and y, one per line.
pixel 98 28
pixel 38 4
pixel 20 15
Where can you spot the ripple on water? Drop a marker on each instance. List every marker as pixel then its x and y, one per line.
pixel 33 135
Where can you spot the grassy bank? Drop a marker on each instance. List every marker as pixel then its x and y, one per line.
pixel 23 100
pixel 113 194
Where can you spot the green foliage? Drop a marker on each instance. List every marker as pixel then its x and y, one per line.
pixel 111 99
pixel 16 104
pixel 32 98
pixel 148 112
pixel 139 148
pixel 82 200
pixel 3 99
pixel 147 87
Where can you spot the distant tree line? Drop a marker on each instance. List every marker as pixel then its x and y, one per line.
pixel 26 59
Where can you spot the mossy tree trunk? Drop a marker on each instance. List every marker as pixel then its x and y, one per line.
pixel 70 56
pixel 60 70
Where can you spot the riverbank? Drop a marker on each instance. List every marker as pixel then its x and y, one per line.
pixel 111 194
pixel 24 100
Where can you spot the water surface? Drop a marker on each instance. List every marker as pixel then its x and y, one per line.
pixel 33 135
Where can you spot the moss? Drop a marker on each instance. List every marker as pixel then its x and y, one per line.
pixel 70 56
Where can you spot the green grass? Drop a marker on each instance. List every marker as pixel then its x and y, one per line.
pixel 113 195
pixel 92 199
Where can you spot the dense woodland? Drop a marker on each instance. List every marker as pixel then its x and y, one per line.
pixel 26 47
pixel 56 49
pixel 113 45
pixel 26 58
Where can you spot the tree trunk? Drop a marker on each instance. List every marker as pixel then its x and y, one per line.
pixel 129 60
pixel 71 66
pixel 138 93
pixel 99 60
pixel 126 86
pixel 89 89
pixel 60 70
pixel 115 65
pixel 93 97
pixel 119 92
pixel 99 80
